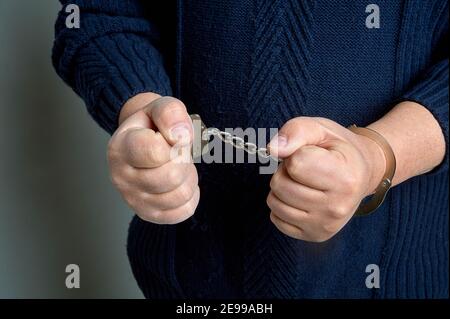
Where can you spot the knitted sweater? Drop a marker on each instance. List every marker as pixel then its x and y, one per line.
pixel 258 63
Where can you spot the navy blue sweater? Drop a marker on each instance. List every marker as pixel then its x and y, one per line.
pixel 258 63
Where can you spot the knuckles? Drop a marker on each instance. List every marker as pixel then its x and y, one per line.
pixel 119 177
pixel 173 216
pixel 116 179
pixel 185 193
pixel 270 201
pixel 191 205
pixel 167 208
pixel 350 184
pixel 112 151
pixel 293 165
pixel 297 162
pixel 174 178
pixel 275 181
pixel 152 216
pixel 338 210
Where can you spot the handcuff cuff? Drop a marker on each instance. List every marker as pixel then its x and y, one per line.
pixel 368 206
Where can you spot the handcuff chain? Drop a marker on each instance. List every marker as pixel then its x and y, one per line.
pixel 237 142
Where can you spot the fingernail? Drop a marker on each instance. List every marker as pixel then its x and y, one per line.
pixel 278 142
pixel 180 133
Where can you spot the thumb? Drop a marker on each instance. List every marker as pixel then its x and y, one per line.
pixel 166 115
pixel 172 120
pixel 299 132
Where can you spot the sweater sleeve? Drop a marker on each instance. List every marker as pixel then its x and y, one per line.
pixel 430 87
pixel 113 56
pixel 432 93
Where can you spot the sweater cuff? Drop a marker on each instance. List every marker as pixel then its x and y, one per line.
pixel 113 68
pixel 432 93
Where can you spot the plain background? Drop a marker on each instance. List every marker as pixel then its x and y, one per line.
pixel 57 205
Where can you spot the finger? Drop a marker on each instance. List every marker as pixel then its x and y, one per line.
pixel 295 194
pixel 144 148
pixel 173 216
pixel 172 120
pixel 288 214
pixel 173 199
pixel 182 213
pixel 314 167
pixel 140 119
pixel 299 132
pixel 163 179
pixel 287 228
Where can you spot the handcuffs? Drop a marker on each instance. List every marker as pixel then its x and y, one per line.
pixel 368 206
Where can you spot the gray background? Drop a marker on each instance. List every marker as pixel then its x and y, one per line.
pixel 57 205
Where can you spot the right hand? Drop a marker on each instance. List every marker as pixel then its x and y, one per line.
pixel 159 189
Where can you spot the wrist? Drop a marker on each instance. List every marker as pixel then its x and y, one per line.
pixel 375 159
pixel 135 104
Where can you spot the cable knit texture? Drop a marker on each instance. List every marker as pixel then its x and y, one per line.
pixel 258 63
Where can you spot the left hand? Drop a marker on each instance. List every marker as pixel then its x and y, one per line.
pixel 326 172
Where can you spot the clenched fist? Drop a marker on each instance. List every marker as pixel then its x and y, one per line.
pixel 326 172
pixel 159 187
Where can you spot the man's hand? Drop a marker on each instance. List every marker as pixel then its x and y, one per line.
pixel 326 173
pixel 159 188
